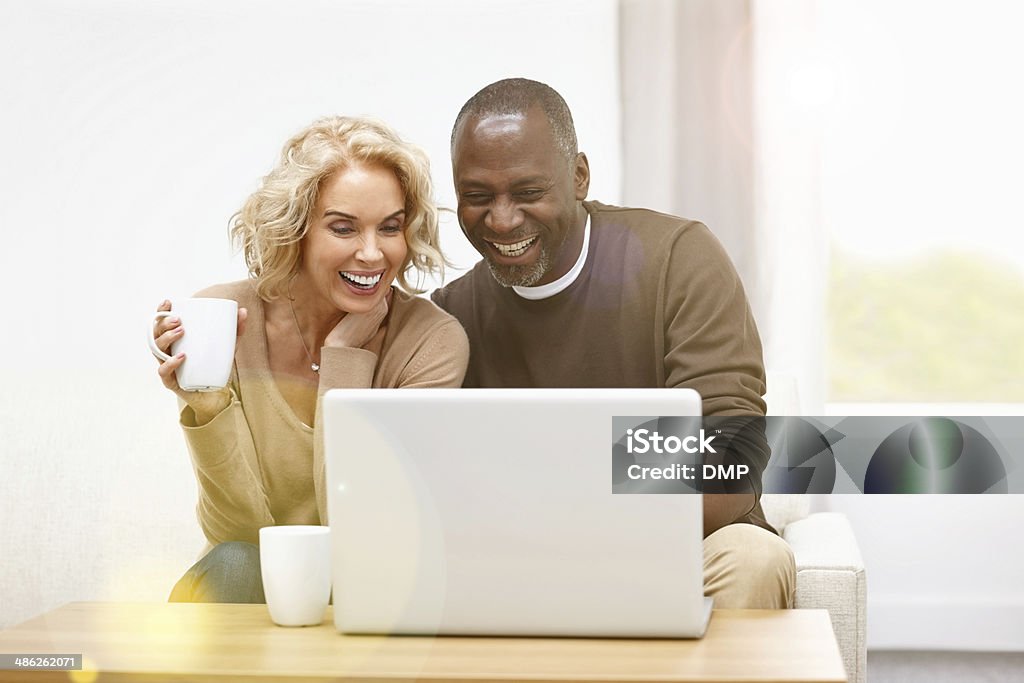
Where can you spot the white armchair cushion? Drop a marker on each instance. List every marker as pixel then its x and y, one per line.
pixel 782 509
pixel 830 575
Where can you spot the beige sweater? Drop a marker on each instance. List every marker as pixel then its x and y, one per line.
pixel 256 463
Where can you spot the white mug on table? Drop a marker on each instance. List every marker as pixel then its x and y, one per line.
pixel 295 562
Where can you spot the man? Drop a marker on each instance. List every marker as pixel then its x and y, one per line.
pixel 579 294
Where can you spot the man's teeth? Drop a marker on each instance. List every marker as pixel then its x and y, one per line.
pixel 514 249
pixel 363 280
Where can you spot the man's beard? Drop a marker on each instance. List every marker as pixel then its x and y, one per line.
pixel 522 275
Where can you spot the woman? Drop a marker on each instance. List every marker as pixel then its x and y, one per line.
pixel 345 213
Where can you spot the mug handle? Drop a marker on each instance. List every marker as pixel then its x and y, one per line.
pixel 152 342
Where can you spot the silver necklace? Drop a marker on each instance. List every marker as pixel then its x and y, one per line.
pixel 313 365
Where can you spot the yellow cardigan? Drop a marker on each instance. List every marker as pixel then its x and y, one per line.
pixel 256 463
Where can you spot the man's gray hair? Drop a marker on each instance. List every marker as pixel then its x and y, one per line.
pixel 515 96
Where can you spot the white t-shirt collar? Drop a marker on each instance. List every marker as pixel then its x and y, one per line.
pixel 552 288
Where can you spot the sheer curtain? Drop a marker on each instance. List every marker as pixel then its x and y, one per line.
pixel 721 124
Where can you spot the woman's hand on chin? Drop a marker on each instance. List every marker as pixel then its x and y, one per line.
pixel 356 330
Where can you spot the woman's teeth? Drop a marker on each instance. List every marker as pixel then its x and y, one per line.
pixel 364 281
pixel 514 249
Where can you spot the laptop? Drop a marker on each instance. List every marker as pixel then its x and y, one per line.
pixel 490 512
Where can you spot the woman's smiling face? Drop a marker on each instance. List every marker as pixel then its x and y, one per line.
pixel 355 246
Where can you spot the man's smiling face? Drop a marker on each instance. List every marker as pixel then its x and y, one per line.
pixel 518 196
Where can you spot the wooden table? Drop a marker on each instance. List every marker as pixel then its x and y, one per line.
pixel 148 642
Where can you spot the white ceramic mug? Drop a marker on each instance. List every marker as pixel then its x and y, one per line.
pixel 296 565
pixel 210 326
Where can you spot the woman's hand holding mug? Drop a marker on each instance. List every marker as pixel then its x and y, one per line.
pixel 201 383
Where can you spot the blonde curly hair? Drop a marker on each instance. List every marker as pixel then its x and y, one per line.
pixel 271 224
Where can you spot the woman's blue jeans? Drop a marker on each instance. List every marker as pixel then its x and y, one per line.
pixel 228 573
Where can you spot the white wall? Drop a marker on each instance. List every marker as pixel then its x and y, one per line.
pixel 130 132
pixel 943 571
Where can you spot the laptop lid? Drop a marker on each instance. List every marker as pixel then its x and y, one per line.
pixel 490 512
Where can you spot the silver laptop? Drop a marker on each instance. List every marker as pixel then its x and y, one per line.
pixel 490 512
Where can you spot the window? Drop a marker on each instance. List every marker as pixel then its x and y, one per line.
pixel 922 166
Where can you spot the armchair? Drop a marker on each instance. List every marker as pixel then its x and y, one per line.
pixel 829 572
